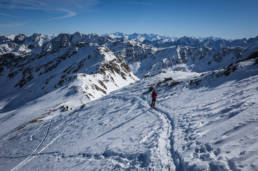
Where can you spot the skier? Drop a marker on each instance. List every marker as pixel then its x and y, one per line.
pixel 154 97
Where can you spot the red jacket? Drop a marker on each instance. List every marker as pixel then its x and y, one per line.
pixel 154 95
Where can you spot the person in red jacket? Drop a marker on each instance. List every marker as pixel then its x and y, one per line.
pixel 154 97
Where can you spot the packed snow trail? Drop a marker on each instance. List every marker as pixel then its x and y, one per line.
pixel 163 150
pixel 164 144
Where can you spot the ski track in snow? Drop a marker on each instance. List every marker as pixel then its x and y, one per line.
pixel 34 154
pixel 28 159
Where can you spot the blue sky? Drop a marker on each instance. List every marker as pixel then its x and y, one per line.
pixel 199 18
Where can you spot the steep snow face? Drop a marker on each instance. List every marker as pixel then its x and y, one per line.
pixel 108 55
pixel 64 66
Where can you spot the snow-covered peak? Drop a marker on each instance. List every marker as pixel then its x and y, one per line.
pixel 76 37
pixel 4 40
pixel 140 37
pixel 11 36
pixel 108 55
pixel 20 38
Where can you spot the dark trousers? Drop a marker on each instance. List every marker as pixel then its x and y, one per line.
pixel 153 102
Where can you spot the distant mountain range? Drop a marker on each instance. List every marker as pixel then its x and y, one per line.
pixel 50 62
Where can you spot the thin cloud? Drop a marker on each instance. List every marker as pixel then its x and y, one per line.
pixel 68 14
pixel 84 3
pixel 25 4
pixel 140 3
pixel 64 6
pixel 11 25
pixel 5 15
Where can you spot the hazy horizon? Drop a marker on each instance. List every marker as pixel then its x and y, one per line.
pixel 231 19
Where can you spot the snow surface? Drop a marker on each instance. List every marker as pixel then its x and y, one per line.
pixel 205 118
pixel 212 126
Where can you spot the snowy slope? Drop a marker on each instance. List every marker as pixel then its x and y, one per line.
pixel 215 119
pixel 195 127
pixel 61 117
